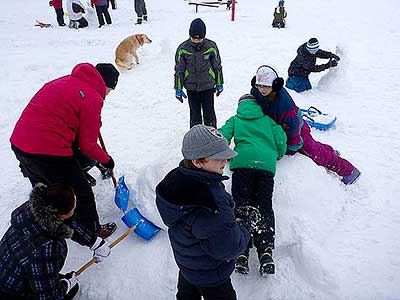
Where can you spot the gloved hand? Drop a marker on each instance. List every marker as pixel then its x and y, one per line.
pixel 108 168
pixel 219 88
pixel 179 94
pixel 50 3
pixel 70 279
pixel 100 250
pixel 334 56
pixel 334 63
pixel 290 152
pixel 248 216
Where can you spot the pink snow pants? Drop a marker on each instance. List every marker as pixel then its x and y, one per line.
pixel 323 154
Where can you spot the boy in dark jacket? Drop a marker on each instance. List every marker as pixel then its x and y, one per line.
pixel 33 249
pixel 193 203
pixel 305 63
pixel 198 69
pixel 259 142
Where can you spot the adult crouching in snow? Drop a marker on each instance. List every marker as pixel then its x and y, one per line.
pixel 75 10
pixel 276 102
pixel 33 250
pixel 306 62
pixel 63 111
pixel 193 203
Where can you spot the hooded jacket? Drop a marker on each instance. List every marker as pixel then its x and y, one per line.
pixel 73 14
pixel 259 141
pixel 305 62
pixel 198 66
pixel 63 110
pixel 33 251
pixel 204 236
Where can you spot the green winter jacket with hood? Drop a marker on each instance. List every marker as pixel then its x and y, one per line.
pixel 259 141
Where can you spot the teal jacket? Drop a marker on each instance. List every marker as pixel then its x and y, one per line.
pixel 259 141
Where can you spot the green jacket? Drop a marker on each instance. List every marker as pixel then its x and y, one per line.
pixel 259 141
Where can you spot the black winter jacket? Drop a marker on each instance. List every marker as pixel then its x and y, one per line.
pixel 305 62
pixel 203 233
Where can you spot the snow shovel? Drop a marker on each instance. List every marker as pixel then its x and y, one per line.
pixel 114 243
pixel 144 228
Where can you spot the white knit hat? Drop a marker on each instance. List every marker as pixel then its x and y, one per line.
pixel 265 76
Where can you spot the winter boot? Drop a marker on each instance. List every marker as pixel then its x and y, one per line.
pixel 352 177
pixel 267 265
pixel 106 230
pixel 145 18
pixel 139 21
pixel 90 179
pixel 242 264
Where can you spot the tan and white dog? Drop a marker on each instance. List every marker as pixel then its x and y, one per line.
pixel 126 50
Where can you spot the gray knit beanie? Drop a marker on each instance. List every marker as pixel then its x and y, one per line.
pixel 205 142
pixel 247 97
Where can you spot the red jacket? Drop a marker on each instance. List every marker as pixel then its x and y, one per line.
pixel 61 111
pixel 56 3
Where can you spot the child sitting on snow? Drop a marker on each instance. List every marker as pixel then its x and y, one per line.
pixel 193 203
pixel 259 142
pixel 75 10
pixel 276 102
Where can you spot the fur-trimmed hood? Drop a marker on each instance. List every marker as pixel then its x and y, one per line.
pixel 34 216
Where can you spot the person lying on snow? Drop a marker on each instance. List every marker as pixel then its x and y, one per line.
pixel 199 213
pixel 33 250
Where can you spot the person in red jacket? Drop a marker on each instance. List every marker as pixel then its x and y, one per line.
pixel 63 111
pixel 57 4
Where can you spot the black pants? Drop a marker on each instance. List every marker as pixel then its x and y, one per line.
pixel 60 16
pixel 54 169
pixel 100 11
pixel 140 8
pixel 199 101
pixel 113 4
pixel 255 188
pixel 83 23
pixel 187 291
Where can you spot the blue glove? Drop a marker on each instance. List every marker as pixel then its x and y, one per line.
pixel 179 94
pixel 219 88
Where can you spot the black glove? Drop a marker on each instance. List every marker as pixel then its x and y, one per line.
pixel 70 280
pixel 334 56
pixel 248 217
pixel 290 152
pixel 50 3
pixel 110 164
pixel 334 63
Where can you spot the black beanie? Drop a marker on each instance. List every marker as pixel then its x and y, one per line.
pixel 197 29
pixel 109 74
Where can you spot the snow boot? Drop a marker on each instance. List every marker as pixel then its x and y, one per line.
pixel 145 18
pixel 242 264
pixel 267 265
pixel 139 21
pixel 352 177
pixel 89 178
pixel 106 230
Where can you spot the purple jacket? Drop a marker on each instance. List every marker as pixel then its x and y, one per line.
pixel 305 62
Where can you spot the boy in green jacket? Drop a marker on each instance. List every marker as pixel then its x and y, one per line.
pixel 259 142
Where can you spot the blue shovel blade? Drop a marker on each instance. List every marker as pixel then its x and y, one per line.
pixel 144 228
pixel 122 194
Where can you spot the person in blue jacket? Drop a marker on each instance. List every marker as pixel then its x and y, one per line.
pixel 306 62
pixel 192 201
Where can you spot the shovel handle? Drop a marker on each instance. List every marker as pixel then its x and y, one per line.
pixel 93 260
pixel 103 146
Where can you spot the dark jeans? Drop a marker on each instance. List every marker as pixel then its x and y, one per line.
pixel 255 188
pixel 83 23
pixel 140 8
pixel 54 169
pixel 113 4
pixel 103 10
pixel 60 16
pixel 199 101
pixel 187 291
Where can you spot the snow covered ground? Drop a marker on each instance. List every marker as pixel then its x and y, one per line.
pixel 333 241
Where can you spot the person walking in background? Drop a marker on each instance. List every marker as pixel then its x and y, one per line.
pixel 276 102
pixel 141 11
pixel 75 10
pixel 259 142
pixel 113 4
pixel 198 69
pixel 102 9
pixel 57 4
pixel 33 250
pixel 63 111
pixel 199 213
pixel 306 62
pixel 280 15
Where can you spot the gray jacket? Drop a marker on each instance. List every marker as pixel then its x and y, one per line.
pixel 198 66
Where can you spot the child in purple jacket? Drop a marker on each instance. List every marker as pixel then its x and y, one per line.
pixel 276 102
